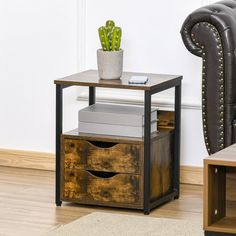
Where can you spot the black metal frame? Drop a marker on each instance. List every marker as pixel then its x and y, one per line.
pixel 208 233
pixel 92 95
pixel 148 205
pixel 59 100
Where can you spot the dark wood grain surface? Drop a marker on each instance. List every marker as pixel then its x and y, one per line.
pixel 161 166
pixel 86 187
pixel 90 78
pixel 121 157
pixel 103 172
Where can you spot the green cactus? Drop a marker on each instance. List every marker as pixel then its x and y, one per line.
pixel 110 36
pixel 102 31
pixel 110 26
pixel 116 38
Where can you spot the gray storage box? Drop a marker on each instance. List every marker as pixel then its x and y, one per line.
pixel 115 114
pixel 119 130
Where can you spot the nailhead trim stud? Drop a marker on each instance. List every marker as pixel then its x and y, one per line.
pixel 220 84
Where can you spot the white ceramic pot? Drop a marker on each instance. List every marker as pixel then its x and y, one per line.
pixel 110 64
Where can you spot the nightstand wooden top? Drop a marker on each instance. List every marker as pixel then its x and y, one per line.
pixel 225 157
pixel 90 78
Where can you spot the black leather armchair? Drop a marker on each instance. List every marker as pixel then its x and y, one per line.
pixel 210 33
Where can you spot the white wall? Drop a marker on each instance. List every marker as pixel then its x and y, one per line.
pixel 152 43
pixel 38 44
pixel 45 40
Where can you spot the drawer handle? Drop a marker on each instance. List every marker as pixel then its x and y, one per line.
pixel 101 174
pixel 102 144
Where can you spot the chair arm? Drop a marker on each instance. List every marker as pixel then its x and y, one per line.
pixel 210 32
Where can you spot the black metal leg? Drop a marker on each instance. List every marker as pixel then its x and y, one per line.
pixel 176 175
pixel 58 140
pixel 92 95
pixel 147 147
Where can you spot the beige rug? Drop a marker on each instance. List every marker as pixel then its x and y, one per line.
pixel 107 224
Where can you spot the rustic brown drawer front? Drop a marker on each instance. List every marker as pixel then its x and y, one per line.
pixel 72 187
pixel 102 156
pixel 102 187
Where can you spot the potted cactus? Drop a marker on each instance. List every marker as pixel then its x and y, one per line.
pixel 110 56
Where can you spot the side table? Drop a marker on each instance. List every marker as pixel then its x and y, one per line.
pixel 155 84
pixel 220 193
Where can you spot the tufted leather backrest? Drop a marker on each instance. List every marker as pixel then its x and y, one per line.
pixel 210 32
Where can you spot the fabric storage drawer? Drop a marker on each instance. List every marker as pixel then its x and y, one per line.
pixel 101 156
pixel 84 186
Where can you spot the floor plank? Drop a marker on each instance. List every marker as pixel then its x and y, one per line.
pixel 27 204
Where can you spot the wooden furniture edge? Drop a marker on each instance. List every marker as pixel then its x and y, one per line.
pixel 205 196
pixel 219 162
pixel 46 161
pixel 220 230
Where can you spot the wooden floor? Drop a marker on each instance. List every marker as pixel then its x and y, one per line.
pixel 27 204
